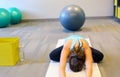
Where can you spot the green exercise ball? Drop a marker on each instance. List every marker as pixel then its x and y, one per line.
pixel 4 18
pixel 16 15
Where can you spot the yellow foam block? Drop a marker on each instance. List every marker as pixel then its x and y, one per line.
pixel 9 51
pixel 119 12
pixel 115 2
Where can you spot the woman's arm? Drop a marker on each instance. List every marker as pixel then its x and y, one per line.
pixel 63 59
pixel 89 59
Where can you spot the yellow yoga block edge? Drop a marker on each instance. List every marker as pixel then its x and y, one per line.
pixel 115 2
pixel 9 51
pixel 119 12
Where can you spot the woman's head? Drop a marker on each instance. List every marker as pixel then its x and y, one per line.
pixel 77 59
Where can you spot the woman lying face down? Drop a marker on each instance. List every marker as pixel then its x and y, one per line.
pixel 78 53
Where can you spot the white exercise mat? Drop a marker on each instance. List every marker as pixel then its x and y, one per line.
pixel 53 68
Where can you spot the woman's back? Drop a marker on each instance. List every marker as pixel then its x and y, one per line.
pixel 75 39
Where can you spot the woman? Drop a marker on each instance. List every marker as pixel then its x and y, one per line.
pixel 78 53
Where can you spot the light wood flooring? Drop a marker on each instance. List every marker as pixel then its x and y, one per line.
pixel 39 38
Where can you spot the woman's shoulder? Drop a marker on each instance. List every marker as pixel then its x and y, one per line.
pixel 67 44
pixel 85 42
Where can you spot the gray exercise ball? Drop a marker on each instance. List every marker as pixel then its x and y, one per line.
pixel 72 17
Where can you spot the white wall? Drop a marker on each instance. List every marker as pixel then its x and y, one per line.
pixel 44 9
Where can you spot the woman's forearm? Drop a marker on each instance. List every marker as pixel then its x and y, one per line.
pixel 62 73
pixel 89 71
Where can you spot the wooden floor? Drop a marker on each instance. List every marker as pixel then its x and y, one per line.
pixel 39 38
